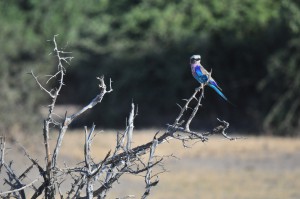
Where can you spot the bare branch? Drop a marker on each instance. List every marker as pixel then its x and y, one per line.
pixel 87 150
pixel 148 182
pixel 40 85
pixel 222 129
pixel 187 125
pixel 12 175
pixel 95 101
pixel 68 120
pixel 23 175
pixel 87 146
pixel 130 128
pixel 185 107
pixel 34 162
pixel 2 149
pixel 39 191
pixel 20 189
pixel 52 76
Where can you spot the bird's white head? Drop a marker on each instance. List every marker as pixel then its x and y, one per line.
pixel 195 59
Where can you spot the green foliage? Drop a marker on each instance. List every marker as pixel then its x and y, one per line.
pixel 24 48
pixel 144 46
pixel 283 80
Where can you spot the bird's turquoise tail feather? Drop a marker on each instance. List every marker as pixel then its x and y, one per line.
pixel 218 91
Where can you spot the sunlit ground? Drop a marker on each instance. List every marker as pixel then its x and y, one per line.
pixel 254 168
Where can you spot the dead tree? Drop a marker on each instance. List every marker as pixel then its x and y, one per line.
pixel 95 179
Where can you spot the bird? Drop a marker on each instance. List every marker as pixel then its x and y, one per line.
pixel 204 77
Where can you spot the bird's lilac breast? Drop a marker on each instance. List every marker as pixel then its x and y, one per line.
pixel 193 69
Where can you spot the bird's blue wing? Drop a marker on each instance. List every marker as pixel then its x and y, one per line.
pixel 198 71
pixel 200 76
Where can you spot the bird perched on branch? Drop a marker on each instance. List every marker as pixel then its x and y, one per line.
pixel 204 77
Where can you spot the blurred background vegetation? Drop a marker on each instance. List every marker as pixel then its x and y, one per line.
pixel 253 47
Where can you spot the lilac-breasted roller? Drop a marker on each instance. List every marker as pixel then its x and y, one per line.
pixel 204 77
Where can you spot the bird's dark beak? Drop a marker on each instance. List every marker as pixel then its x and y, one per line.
pixel 194 60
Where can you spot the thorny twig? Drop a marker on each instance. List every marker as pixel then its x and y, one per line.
pixel 2 149
pixel 20 189
pixel 187 125
pixel 130 128
pixel 148 182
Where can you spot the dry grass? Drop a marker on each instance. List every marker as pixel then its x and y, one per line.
pixel 254 168
pixel 218 147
